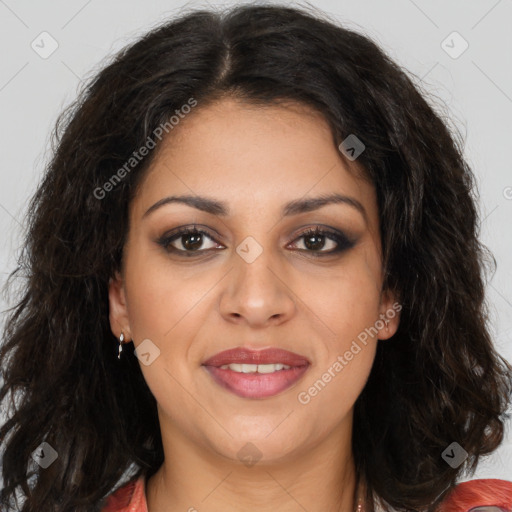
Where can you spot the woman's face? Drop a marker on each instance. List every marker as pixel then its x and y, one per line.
pixel 254 280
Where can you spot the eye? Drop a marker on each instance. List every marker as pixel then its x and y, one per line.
pixel 318 242
pixel 317 239
pixel 186 240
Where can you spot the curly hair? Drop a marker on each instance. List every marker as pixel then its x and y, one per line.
pixel 436 381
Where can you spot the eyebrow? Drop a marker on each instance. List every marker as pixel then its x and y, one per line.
pixel 294 207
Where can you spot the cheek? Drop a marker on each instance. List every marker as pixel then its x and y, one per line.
pixel 346 308
pixel 161 296
pixel 161 307
pixel 345 358
pixel 331 392
pixel 343 303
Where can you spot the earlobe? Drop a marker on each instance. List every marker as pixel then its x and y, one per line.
pixel 118 311
pixel 389 316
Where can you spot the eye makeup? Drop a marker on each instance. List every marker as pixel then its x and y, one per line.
pixel 192 238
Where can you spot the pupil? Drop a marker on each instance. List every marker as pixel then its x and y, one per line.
pixel 196 241
pixel 319 241
pixel 193 241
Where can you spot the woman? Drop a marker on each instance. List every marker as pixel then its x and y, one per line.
pixel 252 273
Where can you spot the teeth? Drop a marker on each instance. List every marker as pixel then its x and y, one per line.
pixel 253 368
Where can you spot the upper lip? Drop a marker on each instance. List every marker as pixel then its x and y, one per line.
pixel 242 355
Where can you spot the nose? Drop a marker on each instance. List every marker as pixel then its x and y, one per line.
pixel 257 293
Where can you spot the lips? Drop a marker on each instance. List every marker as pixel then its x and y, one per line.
pixel 255 384
pixel 248 356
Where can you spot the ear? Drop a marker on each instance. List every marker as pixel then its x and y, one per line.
pixel 389 315
pixel 118 312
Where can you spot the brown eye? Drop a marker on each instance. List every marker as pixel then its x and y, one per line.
pixel 191 241
pixel 187 240
pixel 316 240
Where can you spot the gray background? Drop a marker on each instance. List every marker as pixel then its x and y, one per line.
pixel 473 91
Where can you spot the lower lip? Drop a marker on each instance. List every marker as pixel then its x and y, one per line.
pixel 256 385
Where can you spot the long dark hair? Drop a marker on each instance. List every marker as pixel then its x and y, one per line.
pixel 437 381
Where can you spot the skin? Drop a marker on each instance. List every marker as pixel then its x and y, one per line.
pixel 255 159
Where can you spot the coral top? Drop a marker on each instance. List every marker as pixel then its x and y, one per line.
pixel 129 498
pixel 467 495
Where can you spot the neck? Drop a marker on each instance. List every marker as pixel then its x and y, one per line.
pixel 193 477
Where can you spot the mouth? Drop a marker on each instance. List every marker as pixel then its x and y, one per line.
pixel 256 374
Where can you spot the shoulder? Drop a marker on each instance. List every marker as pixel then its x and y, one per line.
pixel 486 492
pixel 128 498
pixel 465 496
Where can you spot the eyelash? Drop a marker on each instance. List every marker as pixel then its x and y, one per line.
pixel 344 243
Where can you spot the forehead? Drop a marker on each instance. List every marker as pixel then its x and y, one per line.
pixel 246 155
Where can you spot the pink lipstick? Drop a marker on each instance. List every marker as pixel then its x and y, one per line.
pixel 256 374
